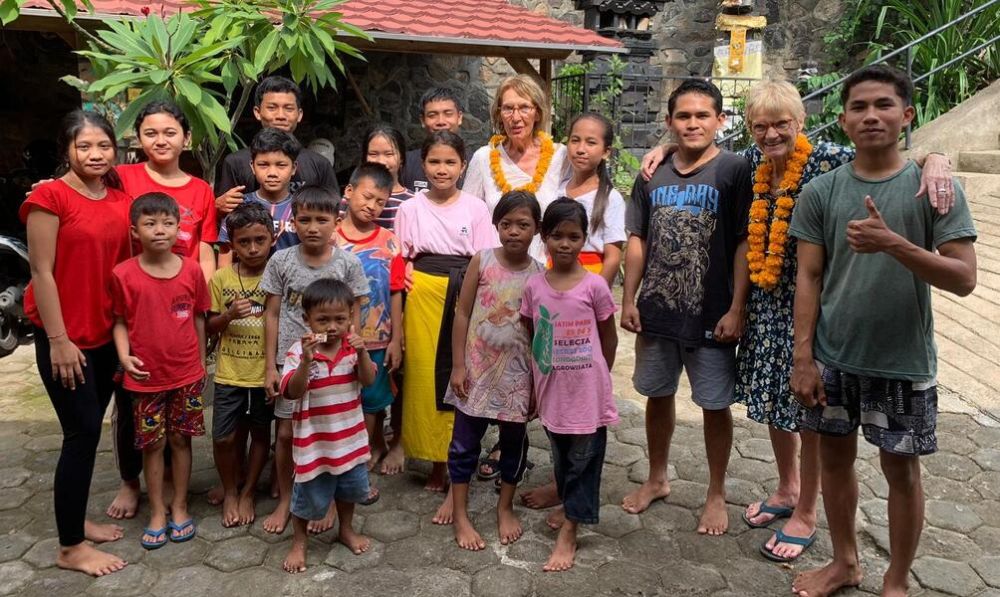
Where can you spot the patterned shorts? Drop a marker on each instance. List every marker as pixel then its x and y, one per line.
pixel 179 411
pixel 897 416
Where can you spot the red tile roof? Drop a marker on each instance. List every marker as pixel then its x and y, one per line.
pixel 478 22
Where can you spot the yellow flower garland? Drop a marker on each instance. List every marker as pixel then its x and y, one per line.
pixel 765 267
pixel 544 159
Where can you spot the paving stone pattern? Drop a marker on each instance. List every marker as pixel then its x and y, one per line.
pixel 656 553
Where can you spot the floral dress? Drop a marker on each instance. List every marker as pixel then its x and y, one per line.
pixel 497 353
pixel 764 358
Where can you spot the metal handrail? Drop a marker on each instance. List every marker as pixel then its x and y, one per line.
pixel 908 51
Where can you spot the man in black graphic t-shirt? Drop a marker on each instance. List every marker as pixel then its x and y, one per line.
pixel 687 246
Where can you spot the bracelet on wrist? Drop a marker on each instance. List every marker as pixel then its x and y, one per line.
pixel 55 336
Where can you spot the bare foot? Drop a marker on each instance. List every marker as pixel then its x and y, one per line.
pixel 793 528
pixel 295 561
pixel 508 526
pixel 394 460
pixel 358 544
pixel 564 552
pixel 437 482
pixel 542 497
pixel 641 498
pixel 556 519
pixel 126 502
pixel 714 518
pixel 315 527
pixel 247 509
pixel 890 589
pixel 444 514
pixel 231 510
pixel 216 495
pixel 827 580
pixel 277 520
pixel 377 454
pixel 89 560
pixel 102 533
pixel 467 536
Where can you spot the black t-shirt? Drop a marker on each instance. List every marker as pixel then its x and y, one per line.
pixel 413 176
pixel 692 224
pixel 310 169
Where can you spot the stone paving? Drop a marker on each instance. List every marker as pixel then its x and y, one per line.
pixel 656 553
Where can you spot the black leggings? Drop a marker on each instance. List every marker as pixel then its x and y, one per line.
pixel 123 425
pixel 80 413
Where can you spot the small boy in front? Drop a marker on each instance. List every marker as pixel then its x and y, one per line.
pixel 688 246
pixel 273 155
pixel 321 375
pixel 286 276
pixel 240 406
pixel 160 300
pixel 864 354
pixel 382 310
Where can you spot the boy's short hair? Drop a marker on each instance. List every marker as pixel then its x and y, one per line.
pixel 276 84
pixel 314 198
pixel 326 291
pixel 275 141
pixel 247 214
pixel 440 94
pixel 699 86
pixel 375 172
pixel 153 204
pixel 881 74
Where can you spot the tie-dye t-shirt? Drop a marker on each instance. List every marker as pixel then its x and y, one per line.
pixel 383 266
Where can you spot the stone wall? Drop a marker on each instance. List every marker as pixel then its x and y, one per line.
pixel 684 32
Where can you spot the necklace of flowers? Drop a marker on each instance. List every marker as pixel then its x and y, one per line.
pixel 544 159
pixel 765 267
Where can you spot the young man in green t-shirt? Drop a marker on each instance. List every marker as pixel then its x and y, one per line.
pixel 868 254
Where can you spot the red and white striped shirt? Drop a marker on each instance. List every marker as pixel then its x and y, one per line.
pixel 328 425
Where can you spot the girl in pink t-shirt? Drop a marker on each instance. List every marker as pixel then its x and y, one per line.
pixel 571 314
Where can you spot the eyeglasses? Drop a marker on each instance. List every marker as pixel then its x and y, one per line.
pixel 782 126
pixel 508 111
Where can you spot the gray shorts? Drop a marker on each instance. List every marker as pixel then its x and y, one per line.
pixel 711 371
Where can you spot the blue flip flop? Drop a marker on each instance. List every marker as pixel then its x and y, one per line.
pixel 179 528
pixel 781 537
pixel 159 538
pixel 776 511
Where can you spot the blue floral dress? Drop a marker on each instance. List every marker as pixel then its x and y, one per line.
pixel 764 358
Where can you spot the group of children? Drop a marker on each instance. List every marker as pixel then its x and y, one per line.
pixel 315 301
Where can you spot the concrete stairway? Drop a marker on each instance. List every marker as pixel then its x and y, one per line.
pixel 968 329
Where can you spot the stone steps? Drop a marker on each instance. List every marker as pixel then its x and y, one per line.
pixel 986 161
pixel 985 188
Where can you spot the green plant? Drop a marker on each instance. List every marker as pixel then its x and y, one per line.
pixel 903 21
pixel 828 105
pixel 208 61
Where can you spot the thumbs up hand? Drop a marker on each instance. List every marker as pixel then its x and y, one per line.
pixel 870 235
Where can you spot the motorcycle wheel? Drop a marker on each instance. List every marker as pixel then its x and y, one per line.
pixel 8 335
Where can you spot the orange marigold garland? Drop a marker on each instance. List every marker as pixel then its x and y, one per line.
pixel 766 255
pixel 545 154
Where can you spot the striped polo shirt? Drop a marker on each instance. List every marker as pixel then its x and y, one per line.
pixel 328 425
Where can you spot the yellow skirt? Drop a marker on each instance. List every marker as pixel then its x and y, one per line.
pixel 426 430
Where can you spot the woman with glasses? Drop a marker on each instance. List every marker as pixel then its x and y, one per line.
pixel 523 157
pixel 783 160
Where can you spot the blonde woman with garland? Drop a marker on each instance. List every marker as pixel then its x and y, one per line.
pixel 524 157
pixel 783 160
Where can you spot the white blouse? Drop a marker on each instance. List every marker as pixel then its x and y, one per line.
pixel 479 182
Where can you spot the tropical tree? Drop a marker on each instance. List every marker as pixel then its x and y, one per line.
pixel 208 60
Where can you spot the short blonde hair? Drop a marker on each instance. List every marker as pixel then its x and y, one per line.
pixel 526 87
pixel 774 97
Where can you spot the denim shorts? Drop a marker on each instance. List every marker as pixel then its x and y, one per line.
pixel 897 416
pixel 711 371
pixel 312 499
pixel 232 404
pixel 577 461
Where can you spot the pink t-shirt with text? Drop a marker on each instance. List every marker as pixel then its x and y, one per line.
pixel 572 379
pixel 460 228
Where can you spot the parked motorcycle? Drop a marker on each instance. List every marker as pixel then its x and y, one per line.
pixel 15 329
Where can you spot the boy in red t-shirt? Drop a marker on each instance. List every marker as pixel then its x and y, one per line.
pixel 160 301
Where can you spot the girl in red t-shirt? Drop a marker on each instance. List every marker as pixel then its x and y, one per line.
pixel 78 231
pixel 163 132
